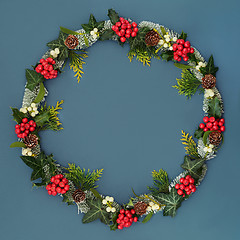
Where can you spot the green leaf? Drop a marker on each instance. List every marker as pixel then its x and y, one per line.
pixel 17 115
pixel 198 133
pixel 41 94
pixel 163 30
pixel 96 212
pixel 33 79
pixel 100 25
pixel 148 217
pixel 88 28
pixel 183 35
pixel 168 55
pixel 56 44
pixel 67 199
pixel 96 193
pixel 214 108
pixel 30 162
pixel 113 16
pixel 92 21
pixel 205 136
pixel 172 202
pixel 42 118
pixel 182 66
pixel 36 174
pixel 63 53
pixel 106 35
pixel 192 166
pixel 18 144
pixel 68 31
pixel 86 41
pixel 210 68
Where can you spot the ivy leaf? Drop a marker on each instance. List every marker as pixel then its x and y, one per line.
pixel 113 16
pixel 192 166
pixel 214 108
pixel 106 35
pixel 17 115
pixel 42 118
pixel 88 28
pixel 41 94
pixel 210 68
pixel 33 79
pixel 183 35
pixel 63 54
pixel 92 21
pixel 67 199
pixel 18 144
pixel 100 25
pixel 56 44
pixel 172 202
pixel 182 66
pixel 198 133
pixel 96 211
pixel 168 55
pixel 148 217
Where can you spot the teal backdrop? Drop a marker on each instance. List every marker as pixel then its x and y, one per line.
pixel 122 117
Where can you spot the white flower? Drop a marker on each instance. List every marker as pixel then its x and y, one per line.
pixel 34 109
pixel 208 148
pixel 33 105
pixel 167 39
pixel 29 109
pixel 209 93
pixel 27 152
pixel 107 198
pixel 55 52
pixel 108 209
pixel 113 209
pixel 174 39
pixel 104 201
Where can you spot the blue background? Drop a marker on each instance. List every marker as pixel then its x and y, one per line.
pixel 122 117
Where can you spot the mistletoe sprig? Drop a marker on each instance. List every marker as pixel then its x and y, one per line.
pixel 77 185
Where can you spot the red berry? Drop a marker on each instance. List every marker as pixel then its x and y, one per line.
pixel 24 120
pixel 57 181
pixel 222 128
pixel 135 29
pixel 187 188
pixel 185 51
pixel 58 189
pixel 22 124
pixel 180 47
pixel 63 191
pixel 118 220
pixel 187 44
pixel 128 224
pixel 182 186
pixel 127 35
pixel 206 119
pixel 177 186
pixel 52 179
pixel 129 25
pixel 66 188
pixel 191 50
pixel 132 211
pixel 179 59
pixel 131 220
pixel 188 177
pixel 183 195
pixel 120 227
pixel 193 189
pixel 222 120
pixel 189 192
pixel 191 186
pixel 17 131
pixel 24 135
pixel 191 180
pixel 135 219
pixel 122 39
pixel 120 216
pixel 215 123
pixel 53 189
pixel 54 193
pixel 49 192
pixel 220 124
pixel 22 129
pixel 118 24
pixel 212 119
pixel 202 125
pixel 122 211
pixel 27 126
pixel 114 28
pixel 180 192
pixel 185 59
pixel 126 212
pixel 62 184
pixel 27 132
pixel 181 41
pixel 209 125
pixel 133 34
pixel 124 26
pixel 179 53
pixel 31 122
pixel 122 31
pixel 215 128
pixel 185 182
pixel 19 135
pixel 126 219
pixel 129 215
pixel 17 126
pixel 175 57
pixel 42 60
pixel 205 129
pixel 128 31
pixel 31 129
pixel 64 180
pixel 134 25
pixel 48 187
pixel 181 180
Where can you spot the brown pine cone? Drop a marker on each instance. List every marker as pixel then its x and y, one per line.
pixel 71 41
pixel 31 141
pixel 140 208
pixel 79 196
pixel 215 138
pixel 152 38
pixel 208 81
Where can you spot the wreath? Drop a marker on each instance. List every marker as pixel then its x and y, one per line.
pixel 77 185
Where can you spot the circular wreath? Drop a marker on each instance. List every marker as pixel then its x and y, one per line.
pixel 76 185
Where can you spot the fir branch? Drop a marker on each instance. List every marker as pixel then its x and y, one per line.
pixel 191 146
pixel 76 63
pixel 188 84
pixel 83 178
pixel 160 181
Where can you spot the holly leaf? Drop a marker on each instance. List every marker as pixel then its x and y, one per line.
pixel 168 55
pixel 106 35
pixel 214 108
pixel 17 115
pixel 96 212
pixel 100 25
pixel 198 133
pixel 210 68
pixel 92 23
pixel 183 35
pixel 42 118
pixel 113 16
pixel 193 166
pixel 33 79
pixel 88 28
pixel 172 202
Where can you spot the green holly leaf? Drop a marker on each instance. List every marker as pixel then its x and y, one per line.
pixel 172 202
pixel 113 16
pixel 106 35
pixel 214 108
pixel 183 35
pixel 198 133
pixel 92 23
pixel 96 212
pixel 42 118
pixel 193 166
pixel 100 25
pixel 210 68
pixel 17 115
pixel 33 79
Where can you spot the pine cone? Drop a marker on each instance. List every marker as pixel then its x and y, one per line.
pixel 79 196
pixel 31 141
pixel 215 138
pixel 152 38
pixel 140 208
pixel 208 81
pixel 71 41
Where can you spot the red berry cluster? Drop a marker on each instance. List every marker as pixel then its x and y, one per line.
pixel 24 128
pixel 181 49
pixel 124 29
pixel 59 185
pixel 212 124
pixel 45 67
pixel 187 185
pixel 125 218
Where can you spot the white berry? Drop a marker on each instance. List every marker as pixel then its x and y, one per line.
pixel 165 45
pixel 161 42
pixel 104 201
pixel 95 30
pixel 110 199
pixel 151 204
pixel 174 39
pixel 113 209
pixel 108 209
pixel 57 50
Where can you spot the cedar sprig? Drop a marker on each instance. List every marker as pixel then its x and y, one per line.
pixel 188 84
pixel 191 146
pixel 82 178
pixel 76 63
pixel 160 182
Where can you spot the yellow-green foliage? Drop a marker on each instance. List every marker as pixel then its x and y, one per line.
pixel 140 56
pixel 76 63
pixel 160 181
pixel 190 145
